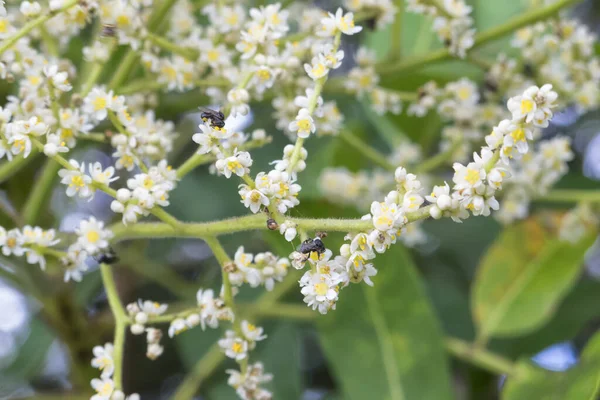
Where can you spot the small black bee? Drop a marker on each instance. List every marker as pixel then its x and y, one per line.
pixel 312 245
pixel 108 257
pixel 216 117
pixel 108 30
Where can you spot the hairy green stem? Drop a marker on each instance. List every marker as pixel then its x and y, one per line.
pixel 312 105
pixel 526 18
pixel 197 160
pixel 121 319
pixel 246 223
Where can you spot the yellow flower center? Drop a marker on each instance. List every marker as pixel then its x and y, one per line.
pixel 66 133
pixel 384 220
pixel 237 347
pixel 3 25
pixel 321 288
pixel 464 93
pixel 264 75
pixel 365 81
pixel 106 389
pixel 472 176
pixel 255 197
pixel 77 181
pixel 148 183
pixel 251 327
pixel 92 236
pixel 99 103
pixel 11 242
pixel 213 55
pixel 34 80
pixel 170 72
pixel 233 165
pixel 122 21
pixel 526 106
pixel 318 70
pixel 19 144
pixel 518 135
pixel 232 19
pixel 304 125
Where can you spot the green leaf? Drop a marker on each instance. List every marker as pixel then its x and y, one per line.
pixel 572 315
pixel 32 354
pixel 522 279
pixel 287 376
pixel 383 342
pixel 581 382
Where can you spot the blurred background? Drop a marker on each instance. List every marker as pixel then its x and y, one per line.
pixel 34 356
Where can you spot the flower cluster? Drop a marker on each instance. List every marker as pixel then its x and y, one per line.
pixel 145 191
pixel 451 23
pixel 260 269
pixel 105 385
pixel 92 239
pixel 30 241
pixel 562 52
pixel 210 311
pixel 577 222
pixel 236 346
pixel 363 81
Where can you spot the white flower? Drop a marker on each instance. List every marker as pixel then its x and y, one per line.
pixel 104 389
pixel 339 21
pixel 59 79
pixel 74 263
pixel 100 175
pixel 317 68
pixel 97 103
pixel 78 183
pixel 177 326
pixel 92 235
pixel 534 106
pixel 237 164
pixel 30 9
pixel 238 98
pixel 233 346
pixel 252 332
pixel 54 145
pixel 468 177
pixel 253 199
pixel 319 291
pixel 386 216
pixel 103 359
pixel 303 125
pixel 288 230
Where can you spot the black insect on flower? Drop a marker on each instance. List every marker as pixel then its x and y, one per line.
pixel 108 257
pixel 312 245
pixel 216 117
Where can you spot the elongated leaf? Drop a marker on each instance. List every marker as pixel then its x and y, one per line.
pixel 32 354
pixel 581 382
pixel 521 280
pixel 383 342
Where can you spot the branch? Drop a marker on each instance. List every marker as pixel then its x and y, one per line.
pixel 527 18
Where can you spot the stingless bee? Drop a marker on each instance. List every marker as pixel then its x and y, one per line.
pixel 108 257
pixel 216 117
pixel 313 245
